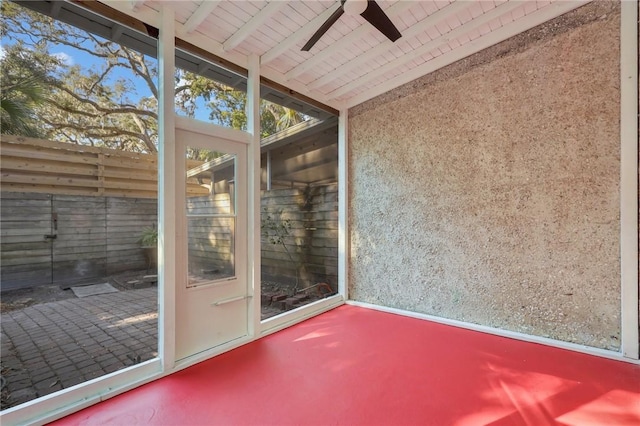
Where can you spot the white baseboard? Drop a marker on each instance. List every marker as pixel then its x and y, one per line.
pixel 499 332
pixel 287 319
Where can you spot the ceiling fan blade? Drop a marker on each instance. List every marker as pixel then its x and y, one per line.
pixel 323 29
pixel 376 17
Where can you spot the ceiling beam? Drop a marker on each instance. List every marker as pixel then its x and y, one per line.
pixel 437 42
pixel 518 26
pixel 116 32
pixel 252 25
pixel 274 80
pixel 415 30
pixel 344 42
pixel 199 15
pixel 301 34
pixel 119 11
pixel 55 8
pixel 136 4
pixel 301 95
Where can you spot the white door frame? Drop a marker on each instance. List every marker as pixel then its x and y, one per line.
pixel 214 313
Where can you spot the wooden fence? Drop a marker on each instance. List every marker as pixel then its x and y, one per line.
pixel 211 239
pixel 67 239
pixel 97 201
pixel 49 167
pixel 312 240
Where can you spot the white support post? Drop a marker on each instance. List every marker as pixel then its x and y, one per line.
pixel 166 192
pixel 343 201
pixel 629 178
pixel 253 246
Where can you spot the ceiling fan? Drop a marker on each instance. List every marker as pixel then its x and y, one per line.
pixel 368 9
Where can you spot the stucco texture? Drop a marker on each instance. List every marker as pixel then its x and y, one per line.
pixel 491 194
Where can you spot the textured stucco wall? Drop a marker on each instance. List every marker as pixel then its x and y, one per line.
pixel 489 191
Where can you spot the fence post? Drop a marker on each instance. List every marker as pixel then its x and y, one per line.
pixel 100 174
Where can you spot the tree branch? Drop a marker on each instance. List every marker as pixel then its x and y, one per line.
pixel 98 107
pixel 144 73
pixel 143 131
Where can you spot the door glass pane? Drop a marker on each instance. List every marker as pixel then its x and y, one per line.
pixel 211 217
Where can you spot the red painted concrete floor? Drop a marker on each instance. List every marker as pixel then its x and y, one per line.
pixel 355 366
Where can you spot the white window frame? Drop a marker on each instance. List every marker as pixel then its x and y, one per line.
pixel 72 399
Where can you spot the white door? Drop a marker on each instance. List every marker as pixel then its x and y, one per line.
pixel 212 300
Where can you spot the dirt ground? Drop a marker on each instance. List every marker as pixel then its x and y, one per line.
pixel 131 280
pixel 19 299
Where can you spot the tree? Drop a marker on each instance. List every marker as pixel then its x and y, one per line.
pixel 93 105
pixel 22 86
pixel 228 108
pixel 111 101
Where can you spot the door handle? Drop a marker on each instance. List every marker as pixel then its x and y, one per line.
pixel 50 236
pixel 233 299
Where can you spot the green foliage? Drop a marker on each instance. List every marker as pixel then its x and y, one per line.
pixel 149 237
pixel 22 91
pixel 85 105
pixel 274 228
pixel 50 97
pixel 276 231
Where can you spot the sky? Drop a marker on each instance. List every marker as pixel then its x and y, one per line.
pixel 75 57
pixel 71 56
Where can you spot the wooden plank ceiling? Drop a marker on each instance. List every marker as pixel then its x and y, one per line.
pixel 352 62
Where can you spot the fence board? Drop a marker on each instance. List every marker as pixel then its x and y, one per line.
pixel 8 177
pixel 23 250
pixel 38 154
pixel 38 166
pixel 50 167
pixel 99 235
pixel 24 276
pixel 312 240
pixel 126 218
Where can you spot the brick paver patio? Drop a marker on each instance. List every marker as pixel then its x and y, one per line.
pixel 60 344
pixel 56 345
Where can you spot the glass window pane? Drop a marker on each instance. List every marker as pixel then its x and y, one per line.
pixel 299 216
pixel 207 92
pixel 81 255
pixel 211 218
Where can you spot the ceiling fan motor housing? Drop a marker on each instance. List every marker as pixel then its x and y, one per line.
pixel 354 7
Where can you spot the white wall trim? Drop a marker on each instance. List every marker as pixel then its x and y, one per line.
pixel 254 249
pixel 499 332
pixel 167 217
pixel 62 403
pixel 343 204
pixel 287 319
pixel 210 129
pixel 629 178
pixel 210 353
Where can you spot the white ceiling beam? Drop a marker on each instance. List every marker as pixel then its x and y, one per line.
pixel 200 14
pixel 302 33
pixel 344 42
pixel 146 15
pixel 277 77
pixel 136 4
pixel 415 30
pixel 252 25
pixel 204 42
pixel 425 48
pixel 518 26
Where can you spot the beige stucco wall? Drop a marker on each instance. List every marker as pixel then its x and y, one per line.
pixel 489 191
